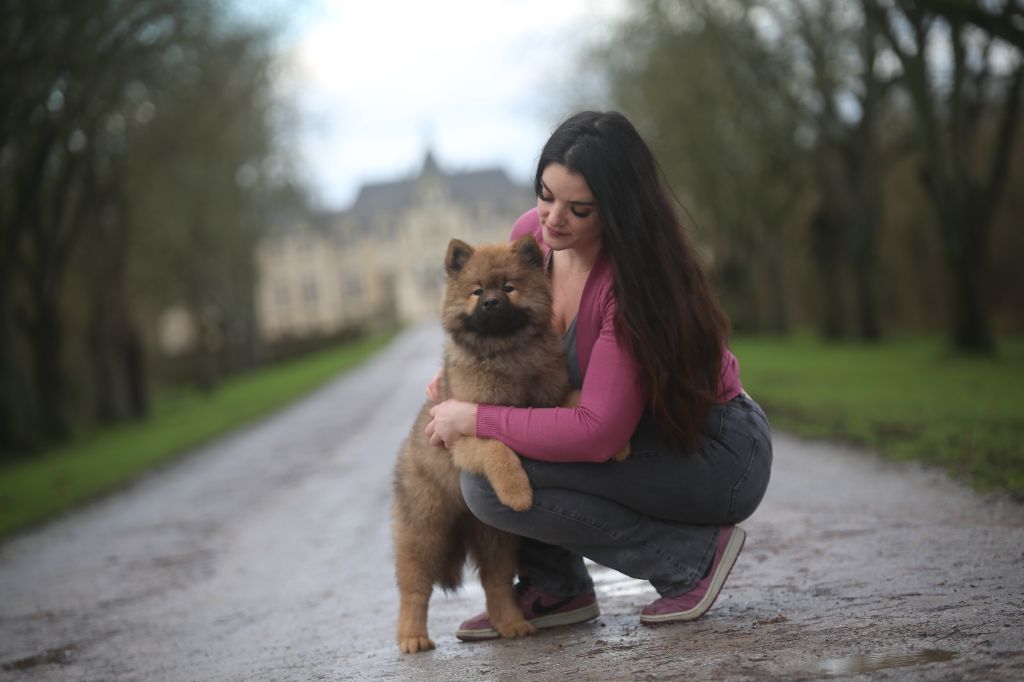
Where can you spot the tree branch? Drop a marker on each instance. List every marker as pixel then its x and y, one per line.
pixel 1001 24
pixel 915 76
pixel 1004 142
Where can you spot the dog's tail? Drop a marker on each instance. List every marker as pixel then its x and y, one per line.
pixel 451 571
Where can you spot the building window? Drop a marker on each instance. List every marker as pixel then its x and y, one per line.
pixel 309 291
pixel 281 297
pixel 352 286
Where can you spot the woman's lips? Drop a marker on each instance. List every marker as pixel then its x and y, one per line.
pixel 553 232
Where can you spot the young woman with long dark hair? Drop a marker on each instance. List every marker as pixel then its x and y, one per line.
pixel 646 342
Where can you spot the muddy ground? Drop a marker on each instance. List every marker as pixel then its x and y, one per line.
pixel 266 556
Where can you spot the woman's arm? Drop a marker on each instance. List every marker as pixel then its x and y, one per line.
pixel 612 400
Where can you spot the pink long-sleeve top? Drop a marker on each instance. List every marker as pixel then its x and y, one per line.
pixel 613 396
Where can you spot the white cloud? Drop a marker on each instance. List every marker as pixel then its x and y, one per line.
pixel 378 81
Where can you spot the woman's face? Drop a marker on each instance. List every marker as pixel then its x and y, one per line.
pixel 568 211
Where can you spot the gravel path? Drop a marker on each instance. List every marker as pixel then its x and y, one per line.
pixel 266 556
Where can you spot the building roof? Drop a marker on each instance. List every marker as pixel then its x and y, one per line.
pixel 463 187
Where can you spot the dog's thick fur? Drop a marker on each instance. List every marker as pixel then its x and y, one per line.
pixel 500 349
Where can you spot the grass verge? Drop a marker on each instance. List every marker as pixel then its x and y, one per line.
pixel 908 398
pixel 89 466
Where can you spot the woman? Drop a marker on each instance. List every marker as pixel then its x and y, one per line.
pixel 646 342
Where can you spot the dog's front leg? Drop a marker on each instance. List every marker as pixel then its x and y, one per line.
pixel 415 587
pixel 501 466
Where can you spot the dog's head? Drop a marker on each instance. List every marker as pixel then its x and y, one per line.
pixel 495 290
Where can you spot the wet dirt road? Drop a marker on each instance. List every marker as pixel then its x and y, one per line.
pixel 266 556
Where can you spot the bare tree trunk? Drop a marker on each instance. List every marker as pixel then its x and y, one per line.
pixel 53 235
pixel 105 394
pixel 136 376
pixel 865 266
pixel 118 352
pixel 778 270
pixel 966 248
pixel 47 361
pixel 119 363
pixel 17 416
pixel 8 391
pixel 828 246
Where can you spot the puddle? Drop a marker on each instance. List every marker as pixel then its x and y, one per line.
pixel 614 584
pixel 59 656
pixel 627 588
pixel 867 663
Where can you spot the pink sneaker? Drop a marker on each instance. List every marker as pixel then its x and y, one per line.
pixel 540 608
pixel 693 604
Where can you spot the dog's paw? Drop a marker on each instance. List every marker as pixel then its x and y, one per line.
pixel 512 485
pixel 622 454
pixel 517 499
pixel 411 645
pixel 516 628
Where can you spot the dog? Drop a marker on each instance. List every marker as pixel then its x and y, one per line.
pixel 500 349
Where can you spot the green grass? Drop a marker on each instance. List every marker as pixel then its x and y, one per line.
pixel 89 466
pixel 908 398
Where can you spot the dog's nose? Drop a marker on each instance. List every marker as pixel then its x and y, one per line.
pixel 491 303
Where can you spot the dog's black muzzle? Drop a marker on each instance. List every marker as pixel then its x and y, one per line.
pixel 496 316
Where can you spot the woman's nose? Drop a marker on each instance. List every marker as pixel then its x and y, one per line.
pixel 556 214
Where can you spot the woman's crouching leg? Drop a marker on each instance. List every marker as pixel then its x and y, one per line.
pixel 549 567
pixel 673 556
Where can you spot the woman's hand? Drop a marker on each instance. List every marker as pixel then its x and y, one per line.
pixel 434 387
pixel 452 420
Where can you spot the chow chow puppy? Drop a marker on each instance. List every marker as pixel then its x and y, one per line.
pixel 500 349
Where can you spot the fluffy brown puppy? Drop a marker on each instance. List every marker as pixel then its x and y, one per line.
pixel 500 349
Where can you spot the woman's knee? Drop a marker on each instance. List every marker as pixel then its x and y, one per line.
pixel 481 499
pixel 748 495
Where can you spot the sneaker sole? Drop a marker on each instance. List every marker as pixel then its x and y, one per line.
pixel 580 615
pixel 732 552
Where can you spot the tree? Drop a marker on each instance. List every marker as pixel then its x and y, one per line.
pixel 845 96
pixel 123 122
pixel 702 84
pixel 66 64
pixel 783 119
pixel 967 112
pixel 216 143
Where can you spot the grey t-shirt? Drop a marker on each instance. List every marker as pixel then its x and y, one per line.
pixel 572 362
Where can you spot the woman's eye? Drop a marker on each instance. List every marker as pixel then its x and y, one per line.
pixel 508 288
pixel 478 292
pixel 579 213
pixel 546 198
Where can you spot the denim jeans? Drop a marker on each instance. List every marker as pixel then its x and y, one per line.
pixel 655 516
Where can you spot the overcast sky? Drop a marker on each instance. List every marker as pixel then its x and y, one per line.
pixel 481 82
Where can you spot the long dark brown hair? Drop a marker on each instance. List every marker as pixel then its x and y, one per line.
pixel 667 316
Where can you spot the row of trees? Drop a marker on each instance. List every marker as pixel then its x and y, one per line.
pixel 139 155
pixel 838 151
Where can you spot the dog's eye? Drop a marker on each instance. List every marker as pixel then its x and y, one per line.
pixel 508 288
pixel 478 292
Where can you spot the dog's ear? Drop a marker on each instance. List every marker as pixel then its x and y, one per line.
pixel 458 253
pixel 528 250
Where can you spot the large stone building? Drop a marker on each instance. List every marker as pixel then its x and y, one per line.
pixel 383 258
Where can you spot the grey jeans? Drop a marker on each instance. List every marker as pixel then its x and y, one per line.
pixel 655 516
